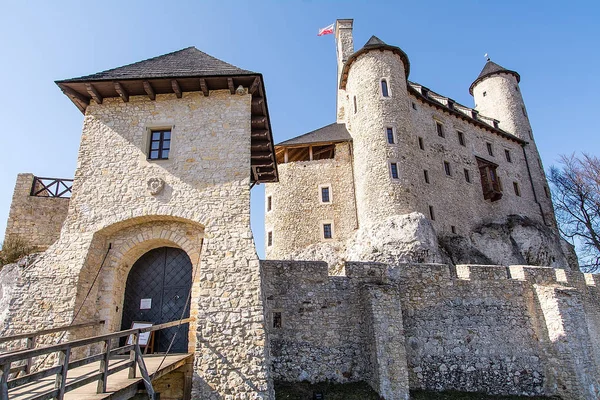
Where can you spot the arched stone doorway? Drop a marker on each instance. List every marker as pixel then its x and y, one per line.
pixel 157 291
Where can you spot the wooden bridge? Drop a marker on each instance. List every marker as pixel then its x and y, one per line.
pixel 115 373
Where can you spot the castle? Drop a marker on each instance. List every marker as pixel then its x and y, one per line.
pixel 411 244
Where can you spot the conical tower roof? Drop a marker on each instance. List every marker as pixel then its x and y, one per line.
pixel 491 68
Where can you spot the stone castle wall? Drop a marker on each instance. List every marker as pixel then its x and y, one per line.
pixel 204 209
pixel 517 330
pixel 297 213
pixel 35 220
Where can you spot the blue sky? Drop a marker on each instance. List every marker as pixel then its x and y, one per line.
pixel 552 44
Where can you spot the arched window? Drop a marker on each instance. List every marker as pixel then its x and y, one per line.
pixel 384 88
pixel 355 105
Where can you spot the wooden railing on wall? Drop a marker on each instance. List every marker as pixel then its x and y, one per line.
pixel 51 187
pixel 65 364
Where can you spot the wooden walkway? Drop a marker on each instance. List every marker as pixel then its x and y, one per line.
pixel 119 385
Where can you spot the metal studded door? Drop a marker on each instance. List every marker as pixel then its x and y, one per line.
pixel 156 291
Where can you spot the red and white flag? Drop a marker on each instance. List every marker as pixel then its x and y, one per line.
pixel 328 30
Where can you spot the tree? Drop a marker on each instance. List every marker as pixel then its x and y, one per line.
pixel 576 197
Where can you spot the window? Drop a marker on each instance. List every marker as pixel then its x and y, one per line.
pixel 276 319
pixel 439 129
pixel 490 149
pixel 523 109
pixel 453 229
pixel 390 135
pixel 490 182
pixel 414 106
pixel 269 203
pixel 327 231
pixel 447 168
pixel 517 88
pixel 467 176
pixel 461 138
pixel 431 214
pixel 507 154
pixel 270 239
pixel 384 88
pixel 160 145
pixel 484 94
pixel 355 108
pixel 394 170
pixel 540 163
pixel 426 175
pixel 421 145
pixel 530 135
pixel 547 192
pixel 325 193
pixel 516 188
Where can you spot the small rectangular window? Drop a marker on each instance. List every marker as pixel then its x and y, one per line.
pixel 439 129
pixel 490 149
pixel 516 188
pixel 269 203
pixel 160 145
pixel 507 154
pixel 276 319
pixel 426 175
pixel 414 106
pixel 390 135
pixel 421 145
pixel 355 108
pixel 447 168
pixel 325 194
pixel 327 232
pixel 461 138
pixel 270 239
pixel 467 176
pixel 453 229
pixel 431 214
pixel 394 170
pixel 523 109
pixel 384 88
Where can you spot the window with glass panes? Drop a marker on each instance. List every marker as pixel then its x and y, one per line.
pixel 327 232
pixel 160 145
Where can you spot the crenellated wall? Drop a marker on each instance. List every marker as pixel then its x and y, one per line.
pixel 493 329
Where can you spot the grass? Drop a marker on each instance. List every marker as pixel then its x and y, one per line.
pixel 362 391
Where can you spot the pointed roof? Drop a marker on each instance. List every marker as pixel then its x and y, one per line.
pixel 491 68
pixel 178 64
pixel 374 43
pixel 330 133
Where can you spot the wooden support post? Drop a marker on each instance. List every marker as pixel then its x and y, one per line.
pixel 285 156
pixel 145 376
pixel 61 378
pixel 310 153
pixel 92 91
pixel 176 88
pixel 132 355
pixel 4 371
pixel 230 85
pixel 187 379
pixel 104 368
pixel 122 92
pixel 204 87
pixel 254 87
pixel 149 90
pixel 30 345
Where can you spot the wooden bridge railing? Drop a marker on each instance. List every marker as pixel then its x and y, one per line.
pixel 64 352
pixel 32 340
pixel 51 187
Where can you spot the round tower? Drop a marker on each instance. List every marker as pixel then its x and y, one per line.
pixel 374 80
pixel 497 95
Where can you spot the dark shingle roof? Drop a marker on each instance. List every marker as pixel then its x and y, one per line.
pixel 183 63
pixel 374 41
pixel 330 133
pixel 491 68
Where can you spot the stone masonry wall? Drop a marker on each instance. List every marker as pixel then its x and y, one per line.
pixel 35 220
pixel 297 213
pixel 493 329
pixel 204 208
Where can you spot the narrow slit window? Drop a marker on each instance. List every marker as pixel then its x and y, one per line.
pixel 421 145
pixel 270 239
pixel 490 149
pixel 269 203
pixel 547 192
pixel 540 164
pixel 523 109
pixel 160 145
pixel 507 154
pixel 447 168
pixel 439 129
pixel 384 88
pixel 453 229
pixel 394 170
pixel 325 194
pixel 461 138
pixel 467 176
pixel 414 106
pixel 276 319
pixel 327 231
pixel 431 213
pixel 390 135
pixel 426 175
pixel 355 108
pixel 516 188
